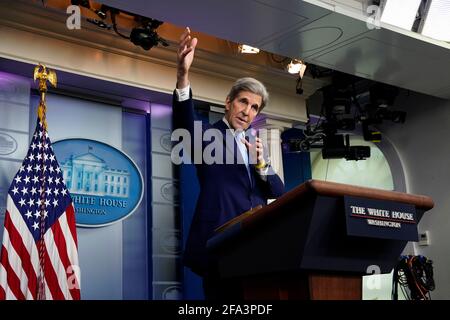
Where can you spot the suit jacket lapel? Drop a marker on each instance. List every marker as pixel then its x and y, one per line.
pixel 222 126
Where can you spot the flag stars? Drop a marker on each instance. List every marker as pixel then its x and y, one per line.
pixel 37 214
pixel 50 180
pixel 22 168
pixel 47 202
pixel 35 226
pixel 37 168
pixel 15 190
pixel 45 212
pixel 48 191
pixel 58 169
pixel 52 158
pixel 33 191
pixel 29 168
pixel 28 214
pixel 64 192
pixel 24 191
pixel 35 179
pixel 45 157
pixel 39 202
pixel 31 202
pixel 22 202
pixel 55 203
pixel 39 156
pixel 57 181
pixel 31 157
pixel 18 179
pixel 56 192
pixel 33 146
pixel 26 180
pixel 51 169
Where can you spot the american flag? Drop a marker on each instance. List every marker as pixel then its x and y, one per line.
pixel 39 255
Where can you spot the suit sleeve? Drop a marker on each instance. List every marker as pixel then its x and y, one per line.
pixel 183 117
pixel 274 187
pixel 183 113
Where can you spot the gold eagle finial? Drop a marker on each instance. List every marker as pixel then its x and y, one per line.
pixel 43 74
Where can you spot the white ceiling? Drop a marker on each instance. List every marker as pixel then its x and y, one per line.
pixel 323 32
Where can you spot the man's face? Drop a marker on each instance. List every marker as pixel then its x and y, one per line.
pixel 242 110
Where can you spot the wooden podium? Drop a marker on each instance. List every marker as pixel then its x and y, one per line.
pixel 307 245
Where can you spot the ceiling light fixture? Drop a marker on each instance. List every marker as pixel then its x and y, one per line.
pixel 296 67
pixel 243 48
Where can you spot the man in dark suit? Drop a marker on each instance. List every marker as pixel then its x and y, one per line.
pixel 227 189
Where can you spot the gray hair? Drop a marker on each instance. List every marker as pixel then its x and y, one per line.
pixel 251 85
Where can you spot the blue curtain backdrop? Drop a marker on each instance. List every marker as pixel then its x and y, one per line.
pixel 297 166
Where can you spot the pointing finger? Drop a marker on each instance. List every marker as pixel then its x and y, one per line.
pixel 186 32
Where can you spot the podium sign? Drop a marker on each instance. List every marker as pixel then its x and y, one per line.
pixel 375 218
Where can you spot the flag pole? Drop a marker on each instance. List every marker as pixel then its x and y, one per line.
pixel 43 74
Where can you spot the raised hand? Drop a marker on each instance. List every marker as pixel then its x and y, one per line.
pixel 256 151
pixel 185 56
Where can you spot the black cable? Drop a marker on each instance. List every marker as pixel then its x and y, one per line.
pixel 395 283
pixel 416 274
pixel 113 20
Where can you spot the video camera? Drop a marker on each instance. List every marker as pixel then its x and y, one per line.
pixel 340 107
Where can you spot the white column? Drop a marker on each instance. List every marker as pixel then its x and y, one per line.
pixel 270 132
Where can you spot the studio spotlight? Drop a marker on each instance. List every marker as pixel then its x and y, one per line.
pixel 146 38
pixel 335 148
pixel 146 35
